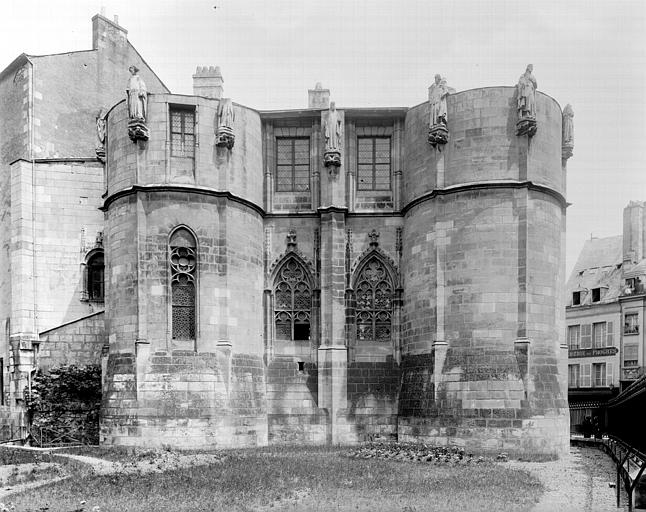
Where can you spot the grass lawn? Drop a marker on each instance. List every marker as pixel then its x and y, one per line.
pixel 298 479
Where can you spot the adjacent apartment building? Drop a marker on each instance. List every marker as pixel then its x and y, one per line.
pixel 604 316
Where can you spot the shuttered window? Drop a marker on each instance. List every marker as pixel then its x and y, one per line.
pixel 586 336
pixel 585 375
pixel 573 336
pixel 631 354
pixel 573 376
pixel 599 334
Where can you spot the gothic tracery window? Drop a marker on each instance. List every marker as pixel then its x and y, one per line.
pixel 293 302
pixel 374 294
pixel 183 265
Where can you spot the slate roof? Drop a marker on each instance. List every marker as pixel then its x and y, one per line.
pixel 598 266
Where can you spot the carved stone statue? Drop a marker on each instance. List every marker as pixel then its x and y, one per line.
pixel 438 132
pixel 226 119
pixel 100 134
pixel 527 93
pixel 100 126
pixel 568 125
pixel 568 132
pixel 137 95
pixel 526 98
pixel 333 137
pixel 437 94
pixel 137 106
pixel 333 130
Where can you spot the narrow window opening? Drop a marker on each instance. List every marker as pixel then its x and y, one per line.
pixel 301 366
pixel 183 264
pixel 576 298
pixel 596 294
pixel 95 277
pixel 182 131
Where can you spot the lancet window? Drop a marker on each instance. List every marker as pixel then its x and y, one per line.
pixel 374 298
pixel 95 277
pixel 293 302
pixel 183 266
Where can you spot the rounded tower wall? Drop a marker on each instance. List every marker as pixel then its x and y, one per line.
pixel 160 160
pixel 482 322
pixel 203 383
pixel 483 144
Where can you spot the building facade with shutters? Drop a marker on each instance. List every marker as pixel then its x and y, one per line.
pixel 318 275
pixel 604 316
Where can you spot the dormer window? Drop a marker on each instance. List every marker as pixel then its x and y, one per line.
pixel 596 294
pixel 576 298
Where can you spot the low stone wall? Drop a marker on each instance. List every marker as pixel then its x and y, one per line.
pixel 79 342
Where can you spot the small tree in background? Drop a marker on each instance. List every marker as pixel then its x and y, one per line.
pixel 67 399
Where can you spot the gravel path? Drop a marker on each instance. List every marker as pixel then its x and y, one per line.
pixel 577 483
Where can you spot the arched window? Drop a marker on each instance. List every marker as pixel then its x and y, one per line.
pixel 95 269
pixel 374 294
pixel 293 302
pixel 183 265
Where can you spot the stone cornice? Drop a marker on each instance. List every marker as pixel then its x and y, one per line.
pixel 485 185
pixel 188 189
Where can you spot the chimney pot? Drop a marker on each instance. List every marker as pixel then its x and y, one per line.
pixel 318 97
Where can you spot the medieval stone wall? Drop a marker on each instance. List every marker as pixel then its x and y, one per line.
pixel 481 321
pixel 211 388
pixel 468 241
pixel 78 343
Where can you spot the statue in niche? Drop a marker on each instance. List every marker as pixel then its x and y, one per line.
pixel 438 132
pixel 226 118
pixel 100 134
pixel 137 96
pixel 526 103
pixel 568 132
pixel 333 137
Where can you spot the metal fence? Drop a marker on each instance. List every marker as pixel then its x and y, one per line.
pixel 624 415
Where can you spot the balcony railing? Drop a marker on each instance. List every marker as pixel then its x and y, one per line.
pixel 638 289
pixel 632 373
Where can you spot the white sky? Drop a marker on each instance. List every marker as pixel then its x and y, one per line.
pixel 589 53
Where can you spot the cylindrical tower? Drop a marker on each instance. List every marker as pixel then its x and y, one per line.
pixel 183 242
pixel 482 268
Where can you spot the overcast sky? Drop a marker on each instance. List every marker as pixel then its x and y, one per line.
pixel 589 53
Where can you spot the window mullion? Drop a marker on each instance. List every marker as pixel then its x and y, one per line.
pixel 374 164
pixel 293 175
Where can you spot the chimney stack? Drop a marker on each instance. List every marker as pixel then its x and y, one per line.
pixel 318 97
pixel 207 82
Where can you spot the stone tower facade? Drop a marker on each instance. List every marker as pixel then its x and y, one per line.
pixel 287 288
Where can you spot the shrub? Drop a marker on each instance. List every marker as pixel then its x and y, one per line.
pixel 67 399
